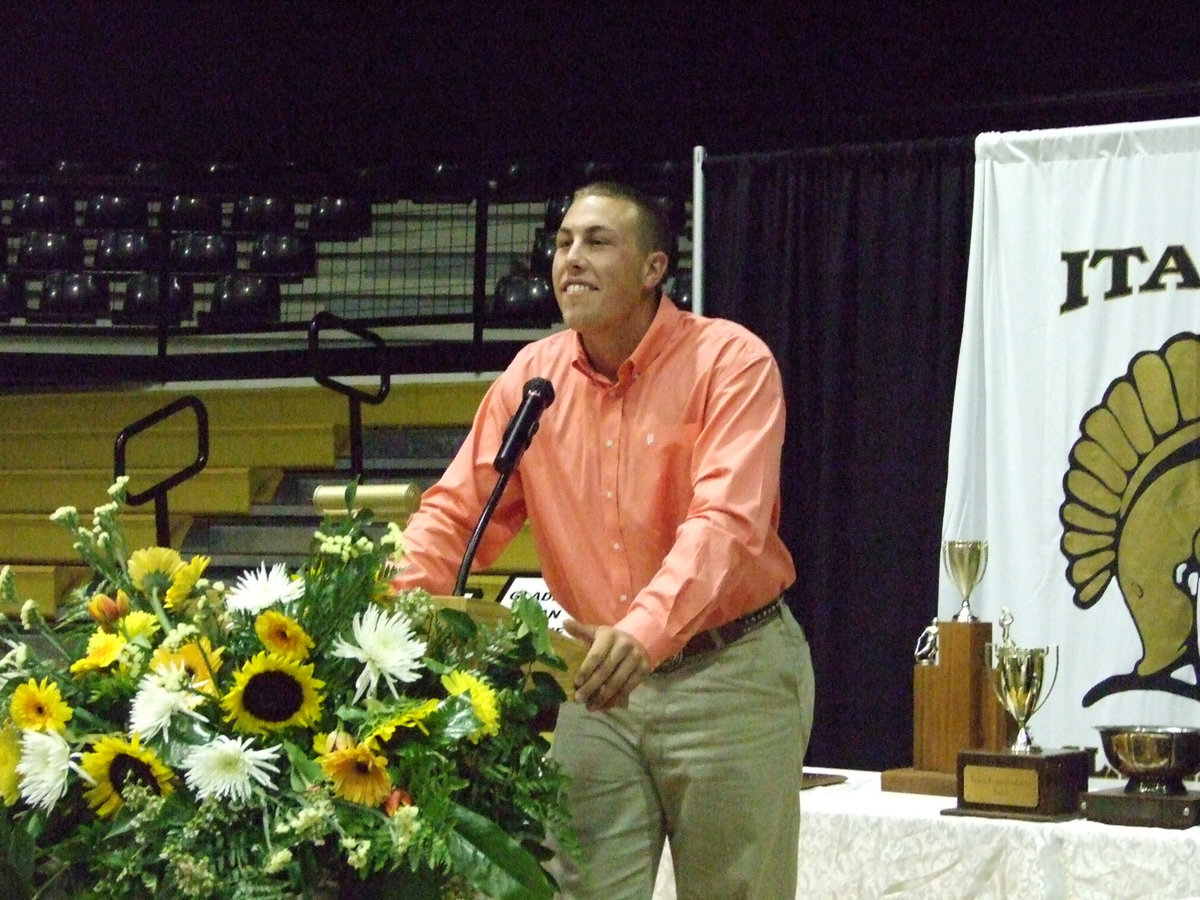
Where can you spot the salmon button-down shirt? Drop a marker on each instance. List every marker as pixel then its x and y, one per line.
pixel 653 501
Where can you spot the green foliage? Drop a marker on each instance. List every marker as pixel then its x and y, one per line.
pixel 413 776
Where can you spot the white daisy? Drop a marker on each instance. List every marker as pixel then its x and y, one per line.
pixel 160 695
pixel 227 767
pixel 255 591
pixel 45 761
pixel 385 646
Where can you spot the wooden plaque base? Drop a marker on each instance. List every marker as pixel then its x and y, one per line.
pixel 1041 786
pixel 954 708
pixel 1115 807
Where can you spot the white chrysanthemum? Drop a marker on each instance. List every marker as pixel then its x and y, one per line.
pixel 386 647
pixel 45 761
pixel 160 696
pixel 255 591
pixel 227 767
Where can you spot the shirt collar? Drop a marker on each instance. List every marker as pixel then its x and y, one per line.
pixel 654 341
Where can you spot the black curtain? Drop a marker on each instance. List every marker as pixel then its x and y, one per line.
pixel 851 263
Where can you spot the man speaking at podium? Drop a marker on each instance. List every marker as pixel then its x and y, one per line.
pixel 652 493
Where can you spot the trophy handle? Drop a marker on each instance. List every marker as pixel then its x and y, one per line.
pixel 1053 680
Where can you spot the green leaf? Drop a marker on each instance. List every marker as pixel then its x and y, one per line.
pixel 495 864
pixel 528 611
pixel 546 691
pixel 351 493
pixel 459 624
pixel 456 717
pixel 305 771
pixel 16 861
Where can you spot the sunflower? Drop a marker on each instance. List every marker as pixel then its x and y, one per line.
pixel 115 763
pixel 183 580
pixel 103 650
pixel 358 774
pixel 282 634
pixel 271 692
pixel 10 755
pixel 199 659
pixel 152 569
pixel 483 701
pixel 39 707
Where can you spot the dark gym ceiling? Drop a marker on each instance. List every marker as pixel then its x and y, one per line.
pixel 334 84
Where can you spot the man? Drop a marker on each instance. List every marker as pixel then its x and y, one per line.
pixel 652 492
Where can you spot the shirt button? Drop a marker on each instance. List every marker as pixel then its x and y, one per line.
pixel 616 546
pixel 624 598
pixel 608 443
pixel 608 494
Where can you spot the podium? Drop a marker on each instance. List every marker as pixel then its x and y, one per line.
pixel 954 708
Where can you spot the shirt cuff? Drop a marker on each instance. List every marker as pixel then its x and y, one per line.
pixel 643 626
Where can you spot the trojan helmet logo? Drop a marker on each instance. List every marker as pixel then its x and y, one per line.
pixel 1131 510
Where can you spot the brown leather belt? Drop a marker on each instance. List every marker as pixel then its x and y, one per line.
pixel 716 638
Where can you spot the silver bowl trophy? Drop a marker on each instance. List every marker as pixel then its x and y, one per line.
pixel 965 563
pixel 1156 759
pixel 1023 781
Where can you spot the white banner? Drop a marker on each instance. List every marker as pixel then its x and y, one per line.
pixel 1075 440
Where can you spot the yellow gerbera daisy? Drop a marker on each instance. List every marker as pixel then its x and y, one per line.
pixel 412 717
pixel 282 634
pixel 10 755
pixel 152 569
pixel 198 658
pixel 138 623
pixel 115 763
pixel 483 701
pixel 39 707
pixel 183 580
pixel 103 650
pixel 271 692
pixel 358 774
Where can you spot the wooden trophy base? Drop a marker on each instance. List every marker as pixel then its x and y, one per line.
pixel 954 707
pixel 919 781
pixel 1040 786
pixel 1115 807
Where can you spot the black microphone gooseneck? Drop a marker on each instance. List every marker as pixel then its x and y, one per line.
pixel 539 394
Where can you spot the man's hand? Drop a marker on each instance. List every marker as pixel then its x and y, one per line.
pixel 615 664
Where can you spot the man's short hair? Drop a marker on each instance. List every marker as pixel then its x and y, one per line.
pixel 653 226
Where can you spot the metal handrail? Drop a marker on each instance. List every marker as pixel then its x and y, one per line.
pixel 158 491
pixel 354 395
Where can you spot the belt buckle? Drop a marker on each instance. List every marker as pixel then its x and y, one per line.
pixel 670 664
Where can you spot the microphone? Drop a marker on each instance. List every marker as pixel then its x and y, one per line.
pixel 539 393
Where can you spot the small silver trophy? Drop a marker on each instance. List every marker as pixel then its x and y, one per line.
pixel 1018 676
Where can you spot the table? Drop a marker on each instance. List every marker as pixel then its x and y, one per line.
pixel 858 841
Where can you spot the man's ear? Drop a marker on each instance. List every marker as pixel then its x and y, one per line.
pixel 655 269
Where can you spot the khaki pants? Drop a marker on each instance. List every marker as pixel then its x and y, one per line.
pixel 709 756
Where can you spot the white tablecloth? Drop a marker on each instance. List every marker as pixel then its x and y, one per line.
pixel 857 841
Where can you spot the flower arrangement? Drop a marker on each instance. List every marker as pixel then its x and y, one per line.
pixel 295 734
